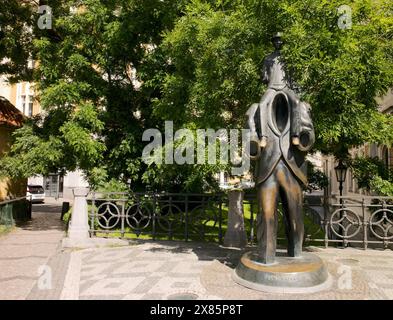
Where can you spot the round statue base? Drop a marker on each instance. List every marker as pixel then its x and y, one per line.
pixel 305 274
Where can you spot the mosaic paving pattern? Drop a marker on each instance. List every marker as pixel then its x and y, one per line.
pixel 144 272
pixel 163 270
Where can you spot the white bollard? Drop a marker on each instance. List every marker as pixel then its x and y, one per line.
pixel 79 225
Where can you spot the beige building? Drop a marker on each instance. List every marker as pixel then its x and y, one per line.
pixel 10 119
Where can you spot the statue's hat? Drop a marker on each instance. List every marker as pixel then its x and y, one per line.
pixel 277 35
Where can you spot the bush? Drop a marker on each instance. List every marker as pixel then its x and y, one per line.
pixel 317 180
pixel 67 217
pixel 372 175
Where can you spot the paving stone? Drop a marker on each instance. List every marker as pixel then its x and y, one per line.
pixel 157 270
pixel 180 285
pixel 146 285
pixel 205 270
pixel 112 286
pixel 25 250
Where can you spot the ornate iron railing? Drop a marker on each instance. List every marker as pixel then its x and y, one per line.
pixel 360 221
pixel 365 222
pixel 158 215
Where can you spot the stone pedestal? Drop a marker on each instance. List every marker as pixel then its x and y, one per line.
pixel 79 225
pixel 235 236
pixel 305 274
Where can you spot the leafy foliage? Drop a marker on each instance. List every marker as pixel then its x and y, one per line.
pixel 217 50
pixel 372 175
pixel 113 68
pixel 15 39
pixel 94 110
pixel 216 53
pixel 317 180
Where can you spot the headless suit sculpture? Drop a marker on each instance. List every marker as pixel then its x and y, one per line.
pixel 282 133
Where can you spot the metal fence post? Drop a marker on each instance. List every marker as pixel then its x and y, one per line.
pixel 186 219
pixel 326 239
pixel 92 218
pixel 170 224
pixel 365 226
pixel 385 238
pixel 123 205
pixel 220 221
pixel 252 206
pixel 154 215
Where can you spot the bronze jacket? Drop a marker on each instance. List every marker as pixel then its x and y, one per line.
pixel 276 117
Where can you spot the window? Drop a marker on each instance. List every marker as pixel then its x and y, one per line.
pixel 23 103
pixel 351 181
pixel 385 157
pixel 374 150
pixel 30 111
pixel 367 150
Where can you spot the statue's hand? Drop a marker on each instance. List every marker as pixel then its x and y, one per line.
pixel 263 142
pixel 305 141
pixel 256 147
pixel 295 141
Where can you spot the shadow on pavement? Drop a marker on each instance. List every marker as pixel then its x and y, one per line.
pixel 204 251
pixel 44 217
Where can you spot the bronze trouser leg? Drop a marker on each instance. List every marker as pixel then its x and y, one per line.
pixel 292 202
pixel 267 219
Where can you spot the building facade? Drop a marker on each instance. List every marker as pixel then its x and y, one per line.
pixel 10 119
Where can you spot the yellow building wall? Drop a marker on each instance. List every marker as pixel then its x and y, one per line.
pixel 9 188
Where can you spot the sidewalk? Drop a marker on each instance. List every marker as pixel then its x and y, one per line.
pixel 178 270
pixel 25 251
pixel 159 270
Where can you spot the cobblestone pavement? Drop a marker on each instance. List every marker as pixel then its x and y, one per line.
pixel 171 270
pixel 25 251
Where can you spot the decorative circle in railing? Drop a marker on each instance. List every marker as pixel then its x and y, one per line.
pixel 347 220
pixel 138 217
pixel 200 216
pixel 384 223
pixel 316 225
pixel 169 217
pixel 196 214
pixel 108 213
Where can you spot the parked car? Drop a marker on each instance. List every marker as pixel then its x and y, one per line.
pixel 37 193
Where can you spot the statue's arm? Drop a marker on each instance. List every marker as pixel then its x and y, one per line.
pixel 307 132
pixel 251 117
pixel 265 72
pixel 254 148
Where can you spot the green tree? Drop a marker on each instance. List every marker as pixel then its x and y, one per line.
pixel 372 175
pixel 16 19
pixel 90 64
pixel 216 53
pixel 199 64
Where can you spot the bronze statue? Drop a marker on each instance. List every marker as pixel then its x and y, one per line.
pixel 282 132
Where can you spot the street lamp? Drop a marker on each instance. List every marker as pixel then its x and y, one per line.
pixel 341 174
